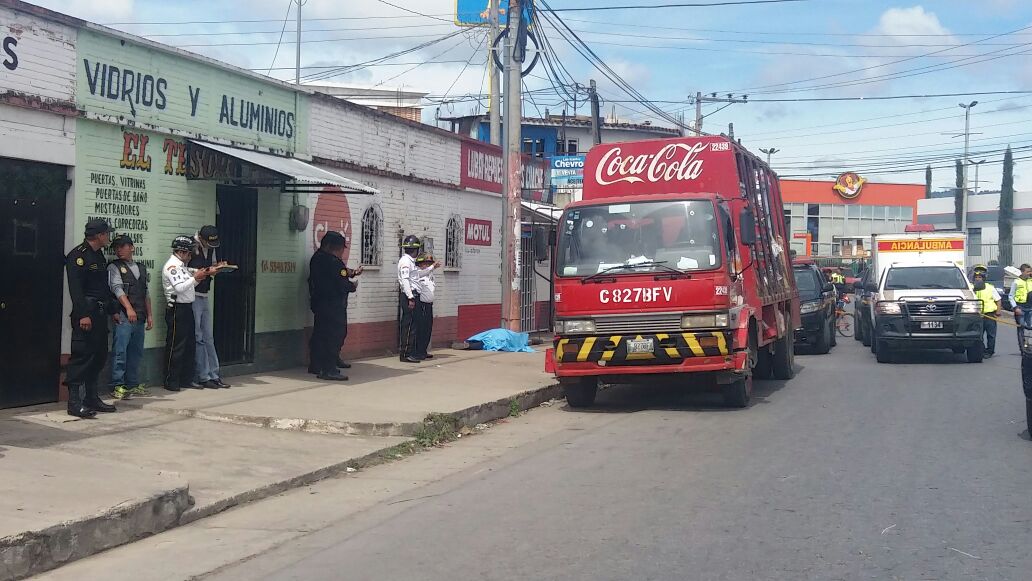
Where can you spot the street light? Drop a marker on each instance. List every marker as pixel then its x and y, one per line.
pixel 769 151
pixel 967 140
pixel 976 164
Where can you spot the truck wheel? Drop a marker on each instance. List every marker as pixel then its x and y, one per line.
pixel 834 335
pixel 581 394
pixel 866 338
pixel 823 343
pixel 873 340
pixel 882 353
pixel 958 350
pixel 738 392
pixel 859 335
pixel 976 353
pixel 784 357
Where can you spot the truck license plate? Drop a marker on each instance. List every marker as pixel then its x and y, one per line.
pixel 640 346
pixel 931 324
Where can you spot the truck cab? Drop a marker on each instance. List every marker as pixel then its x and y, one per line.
pixel 926 305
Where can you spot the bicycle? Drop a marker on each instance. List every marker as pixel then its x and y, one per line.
pixel 844 322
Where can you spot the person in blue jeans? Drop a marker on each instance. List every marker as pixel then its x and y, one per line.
pixel 128 282
pixel 207 373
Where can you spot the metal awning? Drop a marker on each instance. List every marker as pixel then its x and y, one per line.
pixel 244 167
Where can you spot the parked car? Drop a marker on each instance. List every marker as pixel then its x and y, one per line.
pixel 817 297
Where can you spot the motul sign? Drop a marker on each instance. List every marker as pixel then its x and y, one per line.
pixel 478 232
pixel 686 165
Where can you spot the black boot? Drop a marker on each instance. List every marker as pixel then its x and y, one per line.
pixel 76 408
pixel 94 402
pixel 343 364
pixel 1028 416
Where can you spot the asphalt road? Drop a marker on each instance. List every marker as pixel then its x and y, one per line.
pixel 853 470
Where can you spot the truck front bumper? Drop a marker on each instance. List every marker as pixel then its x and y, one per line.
pixel 963 330
pixel 673 353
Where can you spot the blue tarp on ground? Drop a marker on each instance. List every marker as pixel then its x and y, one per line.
pixel 503 340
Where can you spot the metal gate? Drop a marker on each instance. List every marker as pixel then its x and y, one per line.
pixel 234 303
pixel 528 286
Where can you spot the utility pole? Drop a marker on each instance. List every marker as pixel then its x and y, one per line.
pixel 698 113
pixel 596 130
pixel 297 64
pixel 769 151
pixel 967 140
pixel 494 101
pixel 512 186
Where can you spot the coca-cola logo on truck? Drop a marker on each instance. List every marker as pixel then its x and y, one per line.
pixel 673 162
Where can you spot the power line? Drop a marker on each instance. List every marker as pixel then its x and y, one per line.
pixel 351 68
pixel 291 31
pixel 256 20
pixel 464 67
pixel 675 5
pixel 413 11
pixel 280 41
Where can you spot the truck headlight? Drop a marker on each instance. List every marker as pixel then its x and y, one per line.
pixel 704 321
pixel 809 307
pixel 887 308
pixel 575 327
pixel 972 307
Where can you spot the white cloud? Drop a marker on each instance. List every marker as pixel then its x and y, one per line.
pixel 92 10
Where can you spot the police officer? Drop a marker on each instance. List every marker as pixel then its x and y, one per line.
pixel 329 284
pixel 991 305
pixel 179 282
pixel 408 298
pixel 88 288
pixel 1020 291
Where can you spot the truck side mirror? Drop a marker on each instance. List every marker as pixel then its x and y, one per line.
pixel 747 227
pixel 540 244
pixel 828 287
pixel 871 287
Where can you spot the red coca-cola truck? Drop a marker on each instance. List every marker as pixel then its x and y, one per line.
pixel 676 262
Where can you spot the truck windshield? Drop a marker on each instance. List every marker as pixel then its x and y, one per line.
pixel 643 236
pixel 922 277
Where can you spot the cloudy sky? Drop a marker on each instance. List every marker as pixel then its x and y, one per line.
pixel 780 55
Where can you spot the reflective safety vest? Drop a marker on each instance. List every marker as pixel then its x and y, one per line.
pixel 837 278
pixel 986 296
pixel 1021 290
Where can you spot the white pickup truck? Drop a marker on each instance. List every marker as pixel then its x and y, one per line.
pixel 921 298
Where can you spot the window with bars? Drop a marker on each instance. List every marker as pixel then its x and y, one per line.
pixel 372 236
pixel 452 242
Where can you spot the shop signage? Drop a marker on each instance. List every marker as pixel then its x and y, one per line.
pixel 566 174
pixel 150 86
pixel 848 185
pixel 478 232
pixel 481 168
pixel 38 58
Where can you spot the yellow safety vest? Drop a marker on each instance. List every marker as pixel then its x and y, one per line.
pixel 837 278
pixel 986 296
pixel 1021 291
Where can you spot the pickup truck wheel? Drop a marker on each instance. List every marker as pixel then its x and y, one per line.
pixel 738 393
pixel 834 335
pixel 959 350
pixel 872 340
pixel 976 353
pixel 859 335
pixel 866 336
pixel 823 344
pixel 882 354
pixel 581 394
pixel 784 357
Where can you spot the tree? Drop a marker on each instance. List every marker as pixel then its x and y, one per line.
pixel 958 196
pixel 1006 223
pixel 928 182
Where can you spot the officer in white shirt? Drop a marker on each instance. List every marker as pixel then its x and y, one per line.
pixel 179 282
pixel 408 299
pixel 424 284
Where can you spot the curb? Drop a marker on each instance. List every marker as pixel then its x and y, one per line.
pixel 34 552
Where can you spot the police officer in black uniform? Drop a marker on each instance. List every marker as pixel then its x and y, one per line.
pixel 329 283
pixel 88 288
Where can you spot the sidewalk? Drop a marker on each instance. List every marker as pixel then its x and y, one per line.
pixel 79 487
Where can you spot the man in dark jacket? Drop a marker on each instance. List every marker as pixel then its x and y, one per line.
pixel 329 284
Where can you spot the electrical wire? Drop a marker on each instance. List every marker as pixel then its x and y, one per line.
pixel 323 75
pixel 275 55
pixel 676 5
pixel 464 67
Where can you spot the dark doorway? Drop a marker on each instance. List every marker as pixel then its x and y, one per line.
pixel 234 304
pixel 32 209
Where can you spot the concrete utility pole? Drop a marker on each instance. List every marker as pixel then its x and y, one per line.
pixel 297 64
pixel 698 113
pixel 769 151
pixel 976 164
pixel 494 106
pixel 967 141
pixel 596 130
pixel 713 98
pixel 512 188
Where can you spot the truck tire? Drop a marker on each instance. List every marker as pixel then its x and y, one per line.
pixel 784 357
pixel 873 339
pixel 976 353
pixel 581 394
pixel 834 335
pixel 738 393
pixel 859 335
pixel 823 344
pixel 958 350
pixel 882 354
pixel 866 339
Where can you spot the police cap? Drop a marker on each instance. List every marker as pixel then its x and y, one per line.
pixel 97 226
pixel 210 235
pixel 121 240
pixel 334 238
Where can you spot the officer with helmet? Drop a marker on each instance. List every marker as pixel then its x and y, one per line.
pixel 991 305
pixel 408 299
pixel 179 283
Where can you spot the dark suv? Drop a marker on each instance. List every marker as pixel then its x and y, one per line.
pixel 817 299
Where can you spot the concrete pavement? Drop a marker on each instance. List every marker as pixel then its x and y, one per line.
pixel 854 469
pixel 206 450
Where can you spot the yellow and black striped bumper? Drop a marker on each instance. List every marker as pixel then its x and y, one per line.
pixel 668 348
